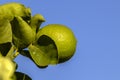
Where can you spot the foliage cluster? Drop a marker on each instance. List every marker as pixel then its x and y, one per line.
pixel 20 33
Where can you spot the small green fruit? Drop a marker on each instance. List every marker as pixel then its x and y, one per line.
pixel 63 37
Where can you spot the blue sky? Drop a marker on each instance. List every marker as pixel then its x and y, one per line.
pixel 96 24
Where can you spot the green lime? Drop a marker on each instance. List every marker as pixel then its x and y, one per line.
pixel 63 38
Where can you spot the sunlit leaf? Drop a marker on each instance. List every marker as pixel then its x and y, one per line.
pixel 9 10
pixel 23 35
pixel 38 56
pixel 36 21
pixel 26 53
pixel 44 52
pixel 5 31
pixel 7 68
pixel 49 48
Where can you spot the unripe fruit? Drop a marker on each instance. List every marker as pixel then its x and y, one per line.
pixel 63 37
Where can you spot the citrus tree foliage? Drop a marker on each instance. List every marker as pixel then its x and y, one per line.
pixel 20 33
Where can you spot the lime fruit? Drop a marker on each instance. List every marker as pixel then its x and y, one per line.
pixel 63 38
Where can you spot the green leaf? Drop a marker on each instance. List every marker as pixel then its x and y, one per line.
pixel 22 76
pixel 9 10
pixel 44 52
pixel 5 36
pixel 5 31
pixel 11 52
pixel 38 56
pixel 26 53
pixel 23 35
pixel 36 21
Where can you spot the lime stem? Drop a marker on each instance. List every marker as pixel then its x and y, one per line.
pixel 10 53
pixel 15 54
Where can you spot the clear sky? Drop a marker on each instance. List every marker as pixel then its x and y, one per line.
pixel 96 24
